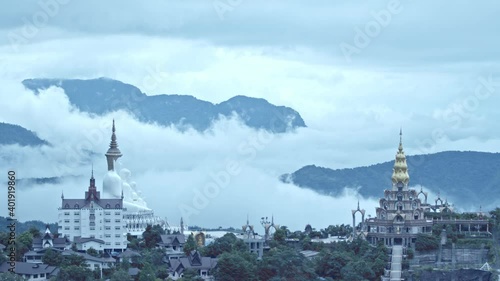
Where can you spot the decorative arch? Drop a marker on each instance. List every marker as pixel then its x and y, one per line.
pixel 416 215
pixel 399 196
pixel 399 218
pixel 108 206
pixel 66 206
pixel 77 206
pixel 399 206
pixel 383 215
pixel 362 212
pixel 424 194
pixel 117 206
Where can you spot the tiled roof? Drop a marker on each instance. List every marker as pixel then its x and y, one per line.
pixel 29 268
pixel 128 253
pixel 79 240
pixel 169 239
pixel 195 261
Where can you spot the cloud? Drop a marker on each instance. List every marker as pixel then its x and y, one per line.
pixel 420 72
pixel 169 166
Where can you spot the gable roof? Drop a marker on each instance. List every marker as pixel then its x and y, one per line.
pixel 29 268
pixel 172 239
pixel 128 254
pixel 80 240
pixel 194 261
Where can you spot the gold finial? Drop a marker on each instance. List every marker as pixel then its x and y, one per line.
pixel 400 170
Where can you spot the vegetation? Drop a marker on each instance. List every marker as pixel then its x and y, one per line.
pixel 425 242
pixel 15 134
pixel 468 174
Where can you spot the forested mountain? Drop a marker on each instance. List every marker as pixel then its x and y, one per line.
pixel 15 134
pixel 468 178
pixel 100 96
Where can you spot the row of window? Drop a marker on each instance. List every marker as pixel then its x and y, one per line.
pixel 92 228
pixel 116 243
pixel 78 213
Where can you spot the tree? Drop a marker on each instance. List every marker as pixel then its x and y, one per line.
pixel 52 257
pixel 35 232
pixel 7 276
pixel 190 245
pixel 120 275
pixel 75 273
pixel 93 252
pixel 23 244
pixel 426 242
pixel 152 235
pixel 75 260
pixel 147 273
pixel 285 263
pixel 330 263
pixel 234 267
pixel 280 236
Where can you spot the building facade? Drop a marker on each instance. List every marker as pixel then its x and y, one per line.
pixel 94 217
pixel 404 213
pixel 400 216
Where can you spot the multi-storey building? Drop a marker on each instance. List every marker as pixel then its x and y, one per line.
pixel 94 217
pixel 403 212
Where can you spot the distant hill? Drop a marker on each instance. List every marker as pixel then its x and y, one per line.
pixel 25 226
pixel 15 134
pixel 100 96
pixel 469 179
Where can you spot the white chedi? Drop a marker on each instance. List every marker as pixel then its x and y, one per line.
pixel 114 185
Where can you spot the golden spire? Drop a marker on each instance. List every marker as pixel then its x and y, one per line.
pixel 400 170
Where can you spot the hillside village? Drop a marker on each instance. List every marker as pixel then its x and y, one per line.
pixel 111 234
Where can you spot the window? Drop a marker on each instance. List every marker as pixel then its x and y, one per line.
pixel 108 235
pixel 108 227
pixel 66 228
pixel 107 220
pixel 92 236
pixel 117 227
pixel 117 213
pixel 92 228
pixel 35 276
pixel 66 213
pixel 117 235
pixel 77 228
pixel 77 213
pixel 107 213
pixel 77 221
pixel 117 243
pixel 66 221
pixel 117 220
pixel 108 243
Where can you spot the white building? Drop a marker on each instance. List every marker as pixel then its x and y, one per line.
pixel 137 215
pixel 95 218
pixel 122 210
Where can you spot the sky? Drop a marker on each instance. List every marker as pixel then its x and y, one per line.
pixel 356 72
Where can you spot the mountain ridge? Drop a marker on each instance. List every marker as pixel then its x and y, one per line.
pixel 103 95
pixel 469 178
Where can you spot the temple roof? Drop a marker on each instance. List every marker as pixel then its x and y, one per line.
pixel 400 170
